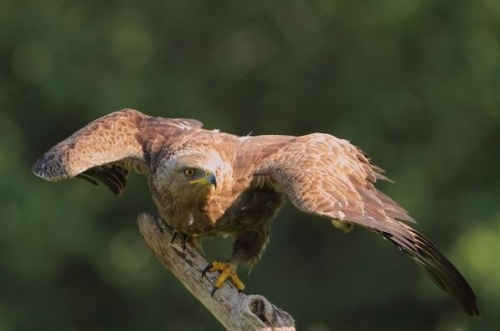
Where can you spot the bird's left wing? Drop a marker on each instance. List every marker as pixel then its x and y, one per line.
pixel 107 149
pixel 330 177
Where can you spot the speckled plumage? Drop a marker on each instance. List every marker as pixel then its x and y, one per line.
pixel 320 174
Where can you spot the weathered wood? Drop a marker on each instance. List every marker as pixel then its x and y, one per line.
pixel 236 311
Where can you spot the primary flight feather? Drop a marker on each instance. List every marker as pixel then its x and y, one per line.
pixel 208 183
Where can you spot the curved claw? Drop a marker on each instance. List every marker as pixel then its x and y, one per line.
pixel 206 269
pixel 227 271
pixel 174 236
pixel 183 237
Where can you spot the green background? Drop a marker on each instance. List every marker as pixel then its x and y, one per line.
pixel 415 83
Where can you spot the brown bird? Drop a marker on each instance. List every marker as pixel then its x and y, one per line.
pixel 207 183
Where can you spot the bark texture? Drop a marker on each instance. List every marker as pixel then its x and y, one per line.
pixel 235 311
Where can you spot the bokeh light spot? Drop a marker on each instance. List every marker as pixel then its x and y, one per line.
pixel 132 45
pixel 32 61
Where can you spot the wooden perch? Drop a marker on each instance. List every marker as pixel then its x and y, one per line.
pixel 235 310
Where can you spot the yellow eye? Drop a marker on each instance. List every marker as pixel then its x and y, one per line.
pixel 189 172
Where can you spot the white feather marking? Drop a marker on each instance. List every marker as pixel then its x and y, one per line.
pixel 181 124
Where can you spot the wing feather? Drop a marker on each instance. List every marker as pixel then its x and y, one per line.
pixel 329 177
pixel 107 149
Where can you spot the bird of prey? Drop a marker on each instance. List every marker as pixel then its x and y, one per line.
pixel 207 183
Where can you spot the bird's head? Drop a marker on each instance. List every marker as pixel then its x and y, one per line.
pixel 191 175
pixel 201 177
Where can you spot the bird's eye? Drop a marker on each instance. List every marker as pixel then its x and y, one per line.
pixel 189 172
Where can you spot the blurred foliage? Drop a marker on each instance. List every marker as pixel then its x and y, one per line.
pixel 414 83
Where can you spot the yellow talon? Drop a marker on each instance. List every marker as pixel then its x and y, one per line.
pixel 344 226
pixel 228 271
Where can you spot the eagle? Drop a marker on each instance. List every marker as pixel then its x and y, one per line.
pixel 207 183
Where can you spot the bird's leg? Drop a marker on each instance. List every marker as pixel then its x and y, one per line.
pixel 246 249
pixel 162 225
pixel 227 271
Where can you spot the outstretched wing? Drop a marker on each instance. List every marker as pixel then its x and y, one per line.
pixel 329 177
pixel 108 148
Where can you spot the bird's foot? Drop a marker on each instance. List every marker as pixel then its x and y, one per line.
pixel 343 226
pixel 182 236
pixel 227 271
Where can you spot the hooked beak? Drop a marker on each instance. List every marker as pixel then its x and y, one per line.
pixel 208 179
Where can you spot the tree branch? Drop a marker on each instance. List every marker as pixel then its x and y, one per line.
pixel 236 311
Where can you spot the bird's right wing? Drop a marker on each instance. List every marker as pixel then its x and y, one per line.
pixel 107 149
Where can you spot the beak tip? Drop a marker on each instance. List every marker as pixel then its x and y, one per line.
pixel 212 180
